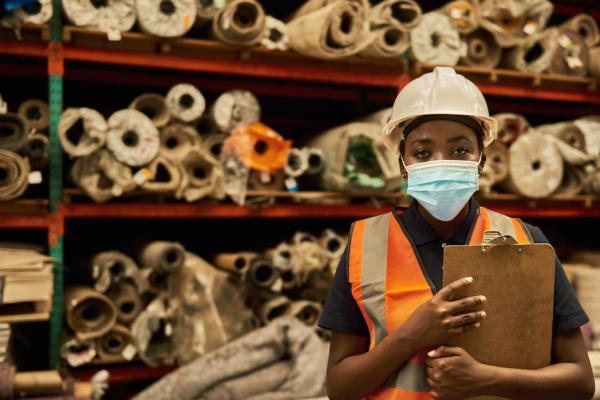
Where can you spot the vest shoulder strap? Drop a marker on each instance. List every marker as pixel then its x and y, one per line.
pixel 502 225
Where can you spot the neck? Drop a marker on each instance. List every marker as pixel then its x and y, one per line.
pixel 444 228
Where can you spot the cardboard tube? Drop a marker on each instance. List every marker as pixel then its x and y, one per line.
pixel 112 17
pixel 155 281
pixel 234 108
pixel 111 267
pixel 117 345
pixel 164 256
pixel 88 313
pixel 238 263
pixel 462 14
pixel 571 56
pixel 14 175
pixel 203 176
pixel 186 102
pixel 435 41
pixel 592 180
pixel 153 106
pixel 13 132
pixel 132 137
pixel 306 311
pixel 37 150
pixel 166 18
pixel 510 127
pixel 535 54
pixel 262 274
pixel 275 307
pixel 240 22
pixel 127 301
pixel 482 50
pixel 82 131
pixel 586 27
pixel 39 383
pixel 35 112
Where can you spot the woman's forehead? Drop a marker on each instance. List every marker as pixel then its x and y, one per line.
pixel 441 131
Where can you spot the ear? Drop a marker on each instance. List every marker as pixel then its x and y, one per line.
pixel 402 169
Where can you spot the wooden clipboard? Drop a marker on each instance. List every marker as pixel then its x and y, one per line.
pixel 518 282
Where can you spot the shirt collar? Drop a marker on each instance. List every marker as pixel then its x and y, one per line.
pixel 421 232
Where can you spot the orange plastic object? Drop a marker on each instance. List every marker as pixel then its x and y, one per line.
pixel 258 147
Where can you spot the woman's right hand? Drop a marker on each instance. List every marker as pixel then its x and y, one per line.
pixel 444 316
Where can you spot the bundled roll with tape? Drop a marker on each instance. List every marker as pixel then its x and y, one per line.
pixel 14 175
pixel 13 132
pixel 37 150
pixel 571 56
pixel 586 27
pixel 330 29
pixel 38 12
pixel 35 112
pixel 536 166
pixel 435 41
pixel 186 102
pixel 234 108
pixel 463 15
pixel 101 176
pixel 127 300
pixel 495 170
pixel 88 313
pixel 82 131
pixel 536 53
pixel 112 267
pixel 166 18
pixel 113 16
pixel 176 140
pixel 165 256
pixel 573 181
pixel 117 345
pixel 276 35
pixel 203 176
pixel 240 22
pixel 356 160
pixel 163 175
pixel 132 137
pixel 153 106
pixel 510 127
pixel 482 50
pixel 514 21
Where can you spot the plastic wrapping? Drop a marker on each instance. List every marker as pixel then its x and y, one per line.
pixel 112 17
pixel 166 18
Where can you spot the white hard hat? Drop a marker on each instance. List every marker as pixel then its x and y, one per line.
pixel 441 92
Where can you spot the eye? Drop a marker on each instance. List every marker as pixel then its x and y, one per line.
pixel 462 151
pixel 422 154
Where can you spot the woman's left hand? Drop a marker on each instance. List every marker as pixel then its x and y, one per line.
pixel 453 374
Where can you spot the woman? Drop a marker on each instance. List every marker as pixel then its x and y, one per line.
pixel 386 308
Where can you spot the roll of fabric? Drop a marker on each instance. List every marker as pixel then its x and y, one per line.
pixel 14 175
pixel 590 126
pixel 165 256
pixel 127 300
pixel 307 312
pixel 35 112
pixel 495 170
pixel 237 263
pixel 274 308
pixel 281 255
pixel 510 127
pixel 214 144
pixel 38 12
pixel 390 41
pixel 594 66
pixel 235 108
pixel 176 140
pixel 206 126
pixel 514 21
pixel 153 333
pixel 332 243
pixel 153 106
pixel 308 256
pixel 101 176
pixel 155 281
pixel 78 352
pixel 462 14
pixel 117 345
pixel 240 23
pixel 482 50
pixel 536 52
pixel 186 102
pixel 82 131
pixel 262 274
pixel 330 31
pixel 267 181
pixel 570 154
pixel 435 41
pixel 203 176
pixel 586 27
pixel 14 131
pixel 206 12
pixel 568 132
pixel 276 35
pixel 162 176
pixel 571 56
pixel 108 268
pixel 406 14
pixel 356 161
pixel 37 150
pixel 112 17
pixel 88 313
pixel 316 161
pixel 296 162
pixel 536 166
pixel 166 18
pixel 573 181
pixel 132 137
pixel 304 237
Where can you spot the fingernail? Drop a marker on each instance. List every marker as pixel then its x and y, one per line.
pixel 431 353
pixel 469 279
pixel 483 314
pixel 483 299
pixel 477 325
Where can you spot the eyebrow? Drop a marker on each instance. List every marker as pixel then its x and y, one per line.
pixel 458 138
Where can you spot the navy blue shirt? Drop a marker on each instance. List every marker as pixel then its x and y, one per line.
pixel 341 313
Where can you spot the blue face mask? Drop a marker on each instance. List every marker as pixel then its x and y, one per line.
pixel 443 187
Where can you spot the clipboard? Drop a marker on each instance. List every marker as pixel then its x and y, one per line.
pixel 518 282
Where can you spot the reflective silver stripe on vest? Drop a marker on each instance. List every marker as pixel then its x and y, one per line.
pixel 501 223
pixel 409 377
pixel 374 271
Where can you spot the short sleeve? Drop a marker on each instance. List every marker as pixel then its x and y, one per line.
pixel 568 313
pixel 340 312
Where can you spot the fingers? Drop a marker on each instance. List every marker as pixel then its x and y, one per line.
pixel 464 319
pixel 449 291
pixel 465 305
pixel 444 351
pixel 464 329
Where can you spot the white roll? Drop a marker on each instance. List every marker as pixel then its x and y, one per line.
pixel 176 140
pixel 482 50
pixel 240 23
pixel 186 102
pixel 276 35
pixel 435 41
pixel 586 27
pixel 203 176
pixel 161 176
pixel 390 41
pixel 154 106
pixel 111 16
pixel 36 113
pixel 166 18
pixel 405 14
pixel 535 53
pixel 132 137
pixel 82 131
pixel 39 12
pixel 235 108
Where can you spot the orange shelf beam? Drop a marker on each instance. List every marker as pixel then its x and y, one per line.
pixel 16 221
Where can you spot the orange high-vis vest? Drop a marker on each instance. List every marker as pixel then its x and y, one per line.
pixel 388 284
